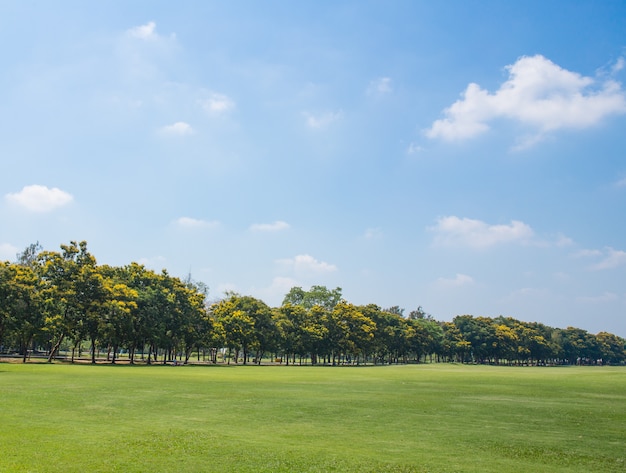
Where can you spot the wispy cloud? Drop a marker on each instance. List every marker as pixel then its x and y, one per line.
pixel 177 129
pixel 457 281
pixel 269 227
pixel 414 149
pixel 218 103
pixel 188 222
pixel 322 120
pixel 611 259
pixel 563 241
pixel 373 233
pixel 380 86
pixel 619 65
pixel 621 182
pixel 455 231
pixel 586 253
pixel 538 93
pixel 306 263
pixel 38 198
pixel 145 32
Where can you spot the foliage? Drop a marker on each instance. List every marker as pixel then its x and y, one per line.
pixel 53 299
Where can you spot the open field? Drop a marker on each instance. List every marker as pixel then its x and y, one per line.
pixel 426 418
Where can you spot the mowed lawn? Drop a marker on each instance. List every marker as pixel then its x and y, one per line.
pixel 417 418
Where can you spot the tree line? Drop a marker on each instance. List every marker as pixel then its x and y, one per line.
pixel 63 300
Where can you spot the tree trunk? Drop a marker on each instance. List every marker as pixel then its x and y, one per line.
pixel 55 348
pixel 25 352
pixel 93 351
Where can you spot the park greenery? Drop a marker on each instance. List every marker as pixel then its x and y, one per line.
pixel 54 302
pixel 426 418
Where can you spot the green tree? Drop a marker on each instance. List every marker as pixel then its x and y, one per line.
pixel 351 332
pixel 612 348
pixel 578 346
pixel 21 312
pixel 60 273
pixel 248 324
pixel 454 345
pixel 317 295
pixel 118 310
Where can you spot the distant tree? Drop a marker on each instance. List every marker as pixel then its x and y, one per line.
pixel 578 346
pixel 454 346
pixel 248 323
pixel 612 348
pixel 317 295
pixel 28 257
pixel 425 337
pixel 396 310
pixel 357 330
pixel 419 313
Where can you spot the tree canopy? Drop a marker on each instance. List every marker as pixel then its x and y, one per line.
pixel 53 301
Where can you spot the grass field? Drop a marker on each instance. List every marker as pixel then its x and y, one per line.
pixel 427 418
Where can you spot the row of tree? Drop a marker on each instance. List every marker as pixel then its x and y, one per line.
pixel 64 300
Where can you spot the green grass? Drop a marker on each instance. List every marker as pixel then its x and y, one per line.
pixel 429 418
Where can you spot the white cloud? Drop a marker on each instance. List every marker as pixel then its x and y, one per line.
pixel 218 103
pixel 8 252
pixel 188 222
pixel 145 32
pixel 40 198
pixel 269 227
pixel 538 93
pixel 458 281
pixel 621 183
pixel 177 129
pixel 380 86
pixel 306 263
pixel 322 120
pixel 455 231
pixel 611 259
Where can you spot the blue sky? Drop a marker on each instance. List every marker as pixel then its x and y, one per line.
pixel 468 157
